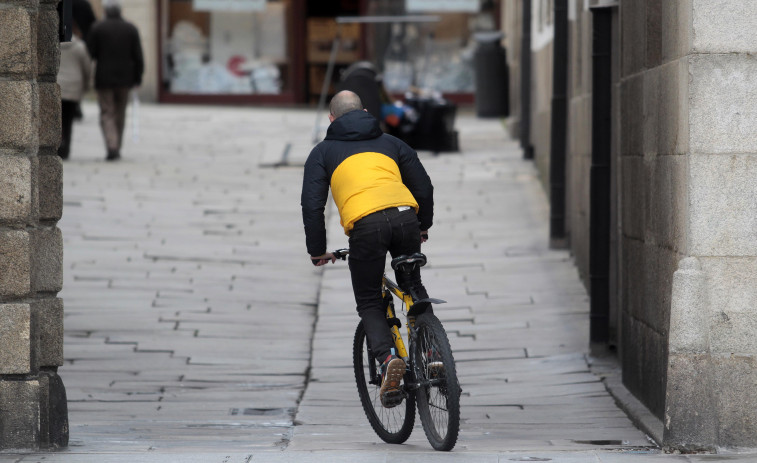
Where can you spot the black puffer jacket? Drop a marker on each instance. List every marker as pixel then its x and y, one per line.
pixel 367 171
pixel 114 44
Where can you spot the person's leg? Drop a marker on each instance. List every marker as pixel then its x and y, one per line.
pixel 106 100
pixel 367 259
pixel 406 240
pixel 68 111
pixel 121 96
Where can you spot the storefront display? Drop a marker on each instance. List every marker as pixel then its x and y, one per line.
pixel 277 51
pixel 432 56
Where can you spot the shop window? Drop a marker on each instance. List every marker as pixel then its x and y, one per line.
pixel 226 47
pixel 436 56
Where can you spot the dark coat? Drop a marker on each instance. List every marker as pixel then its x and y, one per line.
pixel 83 16
pixel 114 44
pixel 348 140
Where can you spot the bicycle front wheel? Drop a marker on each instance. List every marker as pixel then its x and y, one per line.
pixel 393 425
pixel 438 396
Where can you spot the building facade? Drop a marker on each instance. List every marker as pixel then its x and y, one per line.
pixel 654 191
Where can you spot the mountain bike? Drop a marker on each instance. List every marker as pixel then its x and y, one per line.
pixel 430 380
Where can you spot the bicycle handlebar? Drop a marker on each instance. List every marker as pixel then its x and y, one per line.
pixel 341 253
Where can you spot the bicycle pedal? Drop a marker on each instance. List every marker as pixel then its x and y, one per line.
pixel 391 399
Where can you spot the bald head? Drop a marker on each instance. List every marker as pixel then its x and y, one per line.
pixel 344 102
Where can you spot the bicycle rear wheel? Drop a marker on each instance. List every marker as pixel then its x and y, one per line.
pixel 393 425
pixel 438 396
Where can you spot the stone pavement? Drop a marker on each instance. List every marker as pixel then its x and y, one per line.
pixel 198 331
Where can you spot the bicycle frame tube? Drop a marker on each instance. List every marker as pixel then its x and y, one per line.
pixel 392 287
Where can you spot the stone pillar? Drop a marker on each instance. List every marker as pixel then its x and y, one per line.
pixel 712 374
pixel 33 411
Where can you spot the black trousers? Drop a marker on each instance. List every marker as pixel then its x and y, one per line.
pixel 68 111
pixel 397 232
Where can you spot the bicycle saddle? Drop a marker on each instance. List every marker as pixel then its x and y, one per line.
pixel 413 261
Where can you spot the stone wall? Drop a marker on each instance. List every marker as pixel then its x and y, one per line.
pixel 653 187
pixel 32 397
pixel 713 323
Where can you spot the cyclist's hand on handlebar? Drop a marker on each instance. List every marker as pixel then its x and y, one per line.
pixel 424 236
pixel 323 260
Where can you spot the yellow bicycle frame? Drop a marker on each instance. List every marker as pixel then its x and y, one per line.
pixel 407 300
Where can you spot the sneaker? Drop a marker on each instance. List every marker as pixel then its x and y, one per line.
pixel 392 371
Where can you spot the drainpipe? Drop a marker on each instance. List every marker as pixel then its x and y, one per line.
pixel 525 84
pixel 601 145
pixel 557 235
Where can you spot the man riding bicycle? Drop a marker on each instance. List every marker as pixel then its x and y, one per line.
pixel 385 202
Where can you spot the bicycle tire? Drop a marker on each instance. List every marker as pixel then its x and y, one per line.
pixel 392 425
pixel 438 403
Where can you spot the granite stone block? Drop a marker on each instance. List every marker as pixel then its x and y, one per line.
pixel 49 115
pixel 17 109
pixel 47 262
pixel 53 423
pixel 735 377
pixel 15 263
pixel 16 53
pixel 722 98
pixel 19 414
pixel 732 289
pixel 666 209
pixel 49 313
pixel 633 30
pixel 723 205
pixel 653 33
pixel 48 47
pixel 634 196
pixel 672 131
pixel 644 368
pixel 50 182
pixel 690 414
pixel 650 111
pixel 15 189
pixel 633 278
pixel 16 334
pixel 632 116
pixel 689 311
pixel 660 265
pixel 676 30
pixel 724 26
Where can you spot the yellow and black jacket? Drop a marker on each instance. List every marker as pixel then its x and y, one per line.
pixel 368 171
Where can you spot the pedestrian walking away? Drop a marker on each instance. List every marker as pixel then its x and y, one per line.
pixel 385 202
pixel 115 46
pixel 73 77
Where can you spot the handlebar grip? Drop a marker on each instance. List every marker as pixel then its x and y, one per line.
pixel 341 253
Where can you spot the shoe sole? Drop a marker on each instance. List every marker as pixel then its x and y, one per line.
pixel 390 392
